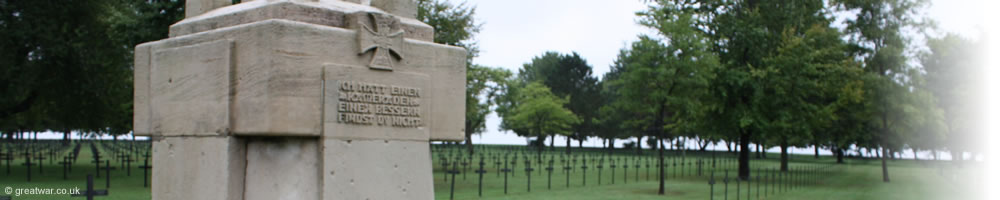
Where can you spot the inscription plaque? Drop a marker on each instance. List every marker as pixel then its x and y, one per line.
pixel 375 104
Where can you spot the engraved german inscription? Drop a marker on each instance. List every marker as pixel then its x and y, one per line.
pixel 374 104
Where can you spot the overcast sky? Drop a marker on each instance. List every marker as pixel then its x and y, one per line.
pixel 514 31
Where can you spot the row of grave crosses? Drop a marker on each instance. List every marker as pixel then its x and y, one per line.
pixel 35 154
pixel 774 181
pixel 507 163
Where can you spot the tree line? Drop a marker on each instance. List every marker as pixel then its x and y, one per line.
pixel 770 73
pixel 836 74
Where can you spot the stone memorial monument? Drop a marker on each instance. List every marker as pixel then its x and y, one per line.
pixel 297 99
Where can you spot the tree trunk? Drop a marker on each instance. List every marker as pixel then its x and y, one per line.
pixel 468 143
pixel 580 144
pixel 638 145
pixel 611 145
pixel 662 189
pixel 658 127
pixel 784 155
pixel 744 166
pixel 729 147
pixel 65 140
pixel 539 146
pixel 816 150
pixel 915 155
pixel 840 155
pixel 568 147
pixel 885 168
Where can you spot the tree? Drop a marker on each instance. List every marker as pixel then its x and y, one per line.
pixel 570 77
pixel 953 77
pixel 669 80
pixel 483 85
pixel 807 72
pixel 453 24
pixel 68 64
pixel 876 32
pixel 542 112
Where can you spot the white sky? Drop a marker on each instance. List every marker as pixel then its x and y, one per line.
pixel 514 31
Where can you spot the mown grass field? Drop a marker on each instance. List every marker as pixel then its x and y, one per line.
pixel 856 179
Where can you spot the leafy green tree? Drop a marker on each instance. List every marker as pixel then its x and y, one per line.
pixel 806 72
pixel 570 77
pixel 541 112
pixel 669 80
pixel 68 64
pixel 745 35
pixel 483 85
pixel 877 33
pixel 453 24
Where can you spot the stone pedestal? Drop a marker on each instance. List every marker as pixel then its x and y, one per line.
pixel 273 99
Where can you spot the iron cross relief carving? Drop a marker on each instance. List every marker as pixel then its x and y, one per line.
pixel 385 42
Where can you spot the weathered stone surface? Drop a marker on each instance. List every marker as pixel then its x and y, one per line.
pixel 208 168
pixel 141 106
pixel 248 101
pixel 447 98
pixel 376 169
pixel 197 7
pixel 404 8
pixel 327 13
pixel 278 68
pixel 283 168
pixel 190 89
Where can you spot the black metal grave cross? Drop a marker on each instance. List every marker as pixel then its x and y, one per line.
pixel 613 166
pixel 9 157
pixel 711 186
pixel 625 167
pixel 65 163
pixel 128 165
pixel 27 163
pixel 90 192
pixel 505 170
pixel 145 172
pixel 453 172
pixel 549 168
pixel 566 168
pixel 481 171
pixel 107 170
pixel 527 171
pixel 584 168
pixel 725 182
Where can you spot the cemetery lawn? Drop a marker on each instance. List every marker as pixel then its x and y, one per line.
pixel 122 185
pixel 857 179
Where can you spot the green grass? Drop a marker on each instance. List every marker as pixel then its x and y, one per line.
pixel 857 179
pixel 122 185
